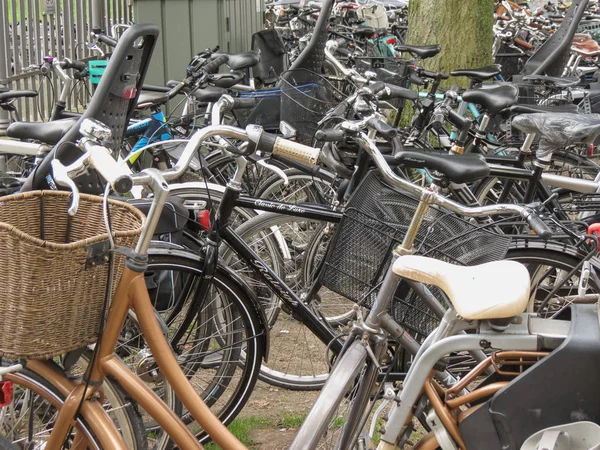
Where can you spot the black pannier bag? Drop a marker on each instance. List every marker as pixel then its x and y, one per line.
pixel 164 286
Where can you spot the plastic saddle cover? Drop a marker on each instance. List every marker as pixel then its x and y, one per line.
pixel 558 130
pixel 571 436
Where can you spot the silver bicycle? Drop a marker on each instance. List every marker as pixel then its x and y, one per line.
pixel 358 409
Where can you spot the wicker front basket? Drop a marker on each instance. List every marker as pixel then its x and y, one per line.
pixel 54 270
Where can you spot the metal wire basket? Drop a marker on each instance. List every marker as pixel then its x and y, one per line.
pixel 265 112
pixel 374 222
pixel 305 98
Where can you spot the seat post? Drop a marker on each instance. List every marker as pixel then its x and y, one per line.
pixel 539 165
pixel 526 147
pixel 481 129
pixel 447 326
pixel 406 247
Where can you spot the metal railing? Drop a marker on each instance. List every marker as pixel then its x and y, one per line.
pixel 32 29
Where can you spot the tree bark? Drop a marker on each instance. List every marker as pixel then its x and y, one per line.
pixel 463 28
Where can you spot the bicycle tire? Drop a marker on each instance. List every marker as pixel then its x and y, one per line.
pixel 240 360
pixel 544 265
pixel 297 356
pixel 199 192
pixel 49 394
pixel 302 188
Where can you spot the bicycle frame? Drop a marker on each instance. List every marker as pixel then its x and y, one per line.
pixel 222 231
pixel 131 293
pixel 152 129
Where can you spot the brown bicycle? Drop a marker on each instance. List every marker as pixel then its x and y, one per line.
pixel 81 419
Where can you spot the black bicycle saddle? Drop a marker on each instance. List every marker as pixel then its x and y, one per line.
pixel 458 168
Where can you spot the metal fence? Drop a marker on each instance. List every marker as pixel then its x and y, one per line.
pixel 32 29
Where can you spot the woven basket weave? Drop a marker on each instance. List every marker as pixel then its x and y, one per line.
pixel 53 293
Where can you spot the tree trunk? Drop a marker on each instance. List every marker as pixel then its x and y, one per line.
pixel 463 28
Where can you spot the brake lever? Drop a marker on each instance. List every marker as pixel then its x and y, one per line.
pixel 276 170
pixel 94 46
pixel 539 207
pixel 61 177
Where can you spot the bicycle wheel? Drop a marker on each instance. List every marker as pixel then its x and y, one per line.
pixel 120 407
pixel 552 288
pixel 218 339
pixel 36 404
pixel 197 196
pixel 563 163
pixel 344 394
pixel 297 356
pixel 301 188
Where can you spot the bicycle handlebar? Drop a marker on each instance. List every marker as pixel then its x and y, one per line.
pixel 244 102
pixel 117 175
pixel 391 178
pixel 382 128
pixel 106 39
pixel 433 75
pixel 273 144
pixel 270 143
pixel 215 63
pixel 74 64
pixel 329 135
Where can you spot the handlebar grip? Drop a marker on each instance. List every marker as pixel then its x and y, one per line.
pixel 538 225
pixel 430 74
pixel 77 65
pixel 270 143
pixel 392 91
pixel 244 103
pixel 118 175
pixel 329 135
pixel 376 87
pixel 415 79
pixel 214 64
pixel 340 110
pixel 296 151
pixel 176 89
pixel 383 128
pixel 107 40
pixel 343 51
